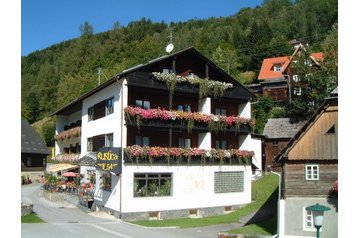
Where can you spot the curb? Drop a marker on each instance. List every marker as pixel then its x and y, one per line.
pixel 152 227
pixel 230 235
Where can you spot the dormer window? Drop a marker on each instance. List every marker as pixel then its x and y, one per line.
pixel 277 68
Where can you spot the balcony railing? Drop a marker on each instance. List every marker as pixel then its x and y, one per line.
pixel 67 134
pixel 178 120
pixel 184 156
pixel 72 158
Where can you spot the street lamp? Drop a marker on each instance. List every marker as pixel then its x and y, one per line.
pixel 318 211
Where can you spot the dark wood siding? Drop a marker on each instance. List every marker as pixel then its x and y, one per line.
pixel 231 138
pixel 231 107
pixel 270 150
pixel 277 93
pixel 295 183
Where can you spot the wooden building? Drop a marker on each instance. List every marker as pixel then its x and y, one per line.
pixel 309 170
pixel 278 132
pixel 278 80
pixel 33 152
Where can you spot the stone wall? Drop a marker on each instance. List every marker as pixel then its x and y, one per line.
pixel 169 214
pixel 26 209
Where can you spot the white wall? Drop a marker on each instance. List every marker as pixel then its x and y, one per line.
pixel 204 140
pixel 192 187
pixel 245 110
pixel 205 105
pixel 105 125
pixel 255 145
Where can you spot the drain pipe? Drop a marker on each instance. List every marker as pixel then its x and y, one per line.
pixel 278 203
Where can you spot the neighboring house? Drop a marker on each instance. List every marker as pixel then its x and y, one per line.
pixel 309 172
pixel 33 152
pixel 174 158
pixel 277 132
pixel 276 76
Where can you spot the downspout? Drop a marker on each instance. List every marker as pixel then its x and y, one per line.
pixel 120 175
pixel 278 203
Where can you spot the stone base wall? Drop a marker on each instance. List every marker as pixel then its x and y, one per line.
pixel 169 214
pixel 26 209
pixel 60 197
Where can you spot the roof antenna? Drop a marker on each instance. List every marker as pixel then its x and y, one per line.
pixel 170 46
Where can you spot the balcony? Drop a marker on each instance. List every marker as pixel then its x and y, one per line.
pixel 70 158
pixel 174 156
pixel 68 134
pixel 147 80
pixel 160 118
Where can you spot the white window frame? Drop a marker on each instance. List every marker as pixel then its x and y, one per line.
pixel 109 106
pixel 296 78
pixel 308 217
pixel 143 104
pixel 220 111
pixel 184 143
pixel 297 91
pixel 109 140
pixel 309 172
pixel 277 68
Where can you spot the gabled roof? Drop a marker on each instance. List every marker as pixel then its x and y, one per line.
pixel 30 141
pixel 304 129
pixel 267 71
pixel 281 128
pixel 190 53
pixel 267 68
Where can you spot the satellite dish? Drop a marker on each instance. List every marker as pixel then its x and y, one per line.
pixel 169 48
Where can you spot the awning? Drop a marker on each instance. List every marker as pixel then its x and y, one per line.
pixel 59 167
pixel 88 159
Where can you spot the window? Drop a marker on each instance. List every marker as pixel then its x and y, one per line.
pixel 296 78
pixel 90 114
pixel 308 219
pixel 297 91
pixel 89 144
pixel 142 104
pixel 229 182
pixel 142 140
pixel 109 140
pixel 109 106
pixel 184 108
pixel 312 172
pixel 275 143
pixel 184 143
pixel 152 184
pixel 221 144
pixel 220 111
pixel 100 109
pixel 106 181
pixel 96 142
pixel 277 68
pixel 331 130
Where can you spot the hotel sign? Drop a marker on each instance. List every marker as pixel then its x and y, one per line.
pixel 109 159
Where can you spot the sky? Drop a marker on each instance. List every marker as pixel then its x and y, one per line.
pixel 46 22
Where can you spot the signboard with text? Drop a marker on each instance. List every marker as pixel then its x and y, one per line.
pixel 109 159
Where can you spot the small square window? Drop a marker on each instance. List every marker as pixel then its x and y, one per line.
pixel 296 78
pixel 275 143
pixel 297 91
pixel 109 106
pixel 312 172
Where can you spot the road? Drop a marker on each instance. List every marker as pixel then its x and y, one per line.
pixel 67 220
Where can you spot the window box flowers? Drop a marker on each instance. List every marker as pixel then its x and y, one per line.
pixel 67 134
pixel 171 155
pixel 136 116
pixel 206 86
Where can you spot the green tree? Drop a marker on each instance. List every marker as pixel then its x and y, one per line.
pixel 86 29
pixel 261 112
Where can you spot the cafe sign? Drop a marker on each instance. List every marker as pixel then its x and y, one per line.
pixel 109 159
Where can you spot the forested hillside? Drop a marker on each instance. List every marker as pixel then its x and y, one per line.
pixel 56 75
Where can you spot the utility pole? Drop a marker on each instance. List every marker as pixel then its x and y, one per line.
pixel 99 75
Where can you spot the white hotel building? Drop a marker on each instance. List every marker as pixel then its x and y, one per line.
pixel 207 166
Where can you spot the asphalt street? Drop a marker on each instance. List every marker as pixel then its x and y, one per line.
pixel 67 220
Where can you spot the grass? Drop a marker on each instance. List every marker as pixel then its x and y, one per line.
pixel 261 191
pixel 267 227
pixel 31 218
